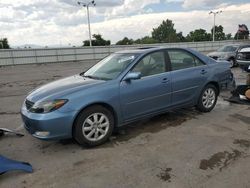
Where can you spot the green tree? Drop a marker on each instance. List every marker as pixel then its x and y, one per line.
pixel 145 40
pixel 165 32
pixel 125 41
pixel 198 35
pixel 180 37
pixel 4 44
pixel 98 41
pixel 219 33
pixel 229 36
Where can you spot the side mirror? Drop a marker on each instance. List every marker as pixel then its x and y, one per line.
pixel 132 76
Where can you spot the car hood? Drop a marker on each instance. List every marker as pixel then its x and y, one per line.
pixel 246 50
pixel 62 87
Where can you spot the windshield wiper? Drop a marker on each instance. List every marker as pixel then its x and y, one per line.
pixel 91 77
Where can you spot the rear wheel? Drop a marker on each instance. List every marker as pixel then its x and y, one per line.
pixel 208 98
pixel 93 126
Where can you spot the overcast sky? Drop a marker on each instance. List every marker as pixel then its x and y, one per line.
pixel 53 22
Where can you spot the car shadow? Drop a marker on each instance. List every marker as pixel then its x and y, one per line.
pixel 151 125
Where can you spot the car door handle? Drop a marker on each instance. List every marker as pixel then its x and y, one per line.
pixel 203 71
pixel 165 80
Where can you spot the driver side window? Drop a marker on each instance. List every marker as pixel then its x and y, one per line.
pixel 151 64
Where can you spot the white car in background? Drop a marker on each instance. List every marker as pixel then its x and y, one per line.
pixel 243 57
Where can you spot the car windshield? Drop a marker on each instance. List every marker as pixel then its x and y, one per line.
pixel 110 67
pixel 227 49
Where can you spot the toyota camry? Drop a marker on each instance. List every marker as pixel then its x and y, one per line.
pixel 124 87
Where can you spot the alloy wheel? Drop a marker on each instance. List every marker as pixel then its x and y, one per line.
pixel 95 126
pixel 208 98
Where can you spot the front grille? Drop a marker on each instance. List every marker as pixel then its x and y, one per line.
pixel 247 56
pixel 28 104
pixel 30 128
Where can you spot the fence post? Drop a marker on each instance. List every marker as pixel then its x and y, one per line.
pixel 93 49
pixel 57 58
pixel 75 54
pixel 12 57
pixel 36 56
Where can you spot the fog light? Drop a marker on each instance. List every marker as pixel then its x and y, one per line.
pixel 42 134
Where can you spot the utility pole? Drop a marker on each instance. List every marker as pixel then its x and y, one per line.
pixel 91 3
pixel 214 13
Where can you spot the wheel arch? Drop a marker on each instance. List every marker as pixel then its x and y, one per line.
pixel 103 104
pixel 216 84
pixel 232 57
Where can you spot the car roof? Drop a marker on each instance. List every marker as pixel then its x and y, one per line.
pixel 139 50
pixel 149 49
pixel 142 51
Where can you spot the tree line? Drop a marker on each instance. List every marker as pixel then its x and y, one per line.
pixel 166 33
pixel 4 44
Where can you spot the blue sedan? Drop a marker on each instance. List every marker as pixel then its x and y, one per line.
pixel 124 87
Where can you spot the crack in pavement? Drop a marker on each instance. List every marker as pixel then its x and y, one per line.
pixel 16 95
pixel 9 113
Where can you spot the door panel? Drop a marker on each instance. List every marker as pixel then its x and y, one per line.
pixel 145 95
pixel 150 93
pixel 186 83
pixel 188 75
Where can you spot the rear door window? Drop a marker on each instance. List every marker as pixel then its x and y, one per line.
pixel 181 59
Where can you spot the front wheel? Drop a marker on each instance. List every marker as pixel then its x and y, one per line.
pixel 232 63
pixel 93 126
pixel 208 98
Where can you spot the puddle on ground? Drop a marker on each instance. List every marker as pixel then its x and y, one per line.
pixel 220 160
pixel 244 119
pixel 165 174
pixel 242 143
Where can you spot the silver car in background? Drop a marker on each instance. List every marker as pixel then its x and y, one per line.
pixel 227 53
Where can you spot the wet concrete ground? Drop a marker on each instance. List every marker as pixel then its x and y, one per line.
pixel 182 148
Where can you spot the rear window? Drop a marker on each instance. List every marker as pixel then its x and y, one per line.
pixel 227 49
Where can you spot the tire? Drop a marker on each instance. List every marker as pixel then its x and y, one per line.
pixel 208 98
pixel 93 126
pixel 1 133
pixel 232 63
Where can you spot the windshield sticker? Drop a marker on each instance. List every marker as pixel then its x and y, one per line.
pixel 126 59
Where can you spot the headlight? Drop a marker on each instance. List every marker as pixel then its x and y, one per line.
pixel 240 56
pixel 47 106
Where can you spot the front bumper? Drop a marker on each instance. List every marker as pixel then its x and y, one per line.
pixel 57 124
pixel 245 65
